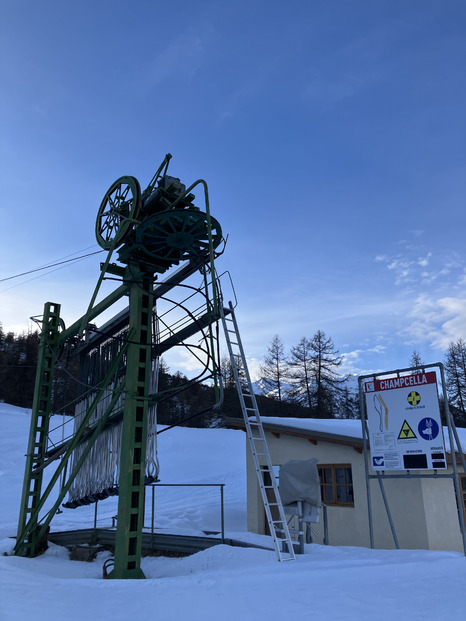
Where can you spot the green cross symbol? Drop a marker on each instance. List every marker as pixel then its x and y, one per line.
pixel 414 398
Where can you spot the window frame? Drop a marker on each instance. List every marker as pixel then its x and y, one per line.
pixel 333 484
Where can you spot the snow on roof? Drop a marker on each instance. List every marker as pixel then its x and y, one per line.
pixel 341 427
pixel 337 427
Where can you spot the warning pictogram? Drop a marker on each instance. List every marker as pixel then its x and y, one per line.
pixel 428 429
pixel 414 398
pixel 406 433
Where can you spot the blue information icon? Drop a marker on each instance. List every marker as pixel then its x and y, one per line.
pixel 428 429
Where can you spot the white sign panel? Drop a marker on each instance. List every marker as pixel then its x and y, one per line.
pixel 405 430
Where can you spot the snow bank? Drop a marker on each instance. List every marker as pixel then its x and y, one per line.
pixel 327 583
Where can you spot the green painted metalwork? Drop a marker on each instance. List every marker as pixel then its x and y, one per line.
pixel 117 212
pixel 31 528
pixel 154 231
pixel 160 172
pixel 176 235
pixel 28 540
pixel 133 450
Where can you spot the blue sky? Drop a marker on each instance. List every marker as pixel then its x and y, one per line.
pixel 331 134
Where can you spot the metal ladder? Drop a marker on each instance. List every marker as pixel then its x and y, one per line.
pixel 276 519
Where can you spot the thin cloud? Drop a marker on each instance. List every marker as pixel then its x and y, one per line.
pixel 325 90
pixel 437 322
pixel 403 268
pixel 182 57
pixel 424 262
pixel 250 88
pixel 351 360
pixel 409 271
pixel 354 67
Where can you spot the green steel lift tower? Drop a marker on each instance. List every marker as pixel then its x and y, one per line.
pixel 152 232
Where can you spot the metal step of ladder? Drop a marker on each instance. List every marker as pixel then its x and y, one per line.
pixel 276 519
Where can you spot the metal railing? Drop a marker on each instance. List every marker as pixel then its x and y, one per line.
pixel 222 508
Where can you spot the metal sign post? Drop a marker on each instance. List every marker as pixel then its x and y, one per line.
pixel 402 429
pixel 404 423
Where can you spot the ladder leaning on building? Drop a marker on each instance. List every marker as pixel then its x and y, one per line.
pixel 276 519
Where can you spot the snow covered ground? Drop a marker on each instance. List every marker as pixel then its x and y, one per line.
pixel 220 583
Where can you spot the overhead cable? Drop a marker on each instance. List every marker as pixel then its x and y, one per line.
pixel 46 267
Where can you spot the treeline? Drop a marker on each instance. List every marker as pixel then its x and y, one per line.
pixel 309 377
pixel 202 405
pixel 455 372
pixel 18 364
pixel 181 400
pixel 303 383
pixel 18 361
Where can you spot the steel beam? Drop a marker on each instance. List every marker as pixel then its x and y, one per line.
pixel 28 539
pixel 134 434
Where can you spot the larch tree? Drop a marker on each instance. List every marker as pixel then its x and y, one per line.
pixel 227 372
pixel 328 383
pixel 416 361
pixel 300 373
pixel 455 369
pixel 274 370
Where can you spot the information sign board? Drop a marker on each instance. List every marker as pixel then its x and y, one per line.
pixel 405 430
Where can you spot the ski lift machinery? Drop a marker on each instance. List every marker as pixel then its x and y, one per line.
pixel 161 238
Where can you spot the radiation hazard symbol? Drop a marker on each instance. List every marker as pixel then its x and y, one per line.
pixel 414 398
pixel 406 433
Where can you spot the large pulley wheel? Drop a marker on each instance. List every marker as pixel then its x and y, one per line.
pixel 177 235
pixel 117 212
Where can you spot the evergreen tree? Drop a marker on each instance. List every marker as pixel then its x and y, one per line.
pixel 301 373
pixel 230 407
pixel 228 376
pixel 163 379
pixel 455 368
pixel 328 384
pixel 275 370
pixel 65 384
pixel 348 404
pixel 18 361
pixel 416 361
pixel 316 383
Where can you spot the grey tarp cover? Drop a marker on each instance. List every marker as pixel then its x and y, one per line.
pixel 299 481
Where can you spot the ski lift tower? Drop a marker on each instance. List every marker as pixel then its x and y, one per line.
pixel 152 231
pixel 115 416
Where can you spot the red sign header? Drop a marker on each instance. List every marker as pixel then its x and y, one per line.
pixel 407 381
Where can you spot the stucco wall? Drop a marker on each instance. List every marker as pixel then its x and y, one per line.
pixel 442 514
pixel 346 525
pixel 406 508
pixel 423 511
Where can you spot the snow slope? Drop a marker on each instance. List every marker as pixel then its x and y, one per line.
pixel 327 583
